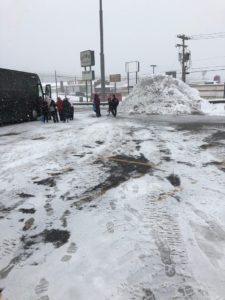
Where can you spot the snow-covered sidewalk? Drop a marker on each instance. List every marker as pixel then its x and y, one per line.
pixel 104 208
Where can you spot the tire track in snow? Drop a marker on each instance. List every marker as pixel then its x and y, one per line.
pixel 163 224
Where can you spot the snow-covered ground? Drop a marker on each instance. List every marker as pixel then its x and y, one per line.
pixel 105 208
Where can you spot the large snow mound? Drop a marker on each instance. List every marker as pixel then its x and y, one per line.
pixel 161 94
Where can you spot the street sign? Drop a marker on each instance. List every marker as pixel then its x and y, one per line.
pixel 88 75
pixel 172 73
pixel 115 78
pixel 132 67
pixel 87 58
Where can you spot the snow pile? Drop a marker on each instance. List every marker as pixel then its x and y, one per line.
pixel 163 94
pixel 213 109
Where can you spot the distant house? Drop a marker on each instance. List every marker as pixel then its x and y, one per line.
pixel 211 90
pixel 108 88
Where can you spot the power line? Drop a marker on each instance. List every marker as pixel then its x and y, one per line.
pixel 208 58
pixel 213 70
pixel 223 32
pixel 208 36
pixel 208 67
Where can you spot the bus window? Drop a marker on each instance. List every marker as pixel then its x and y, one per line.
pixel 40 91
pixel 48 90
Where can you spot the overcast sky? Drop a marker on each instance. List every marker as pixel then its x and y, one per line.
pixel 48 35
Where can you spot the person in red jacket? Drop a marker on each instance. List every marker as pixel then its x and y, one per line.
pixel 59 106
pixel 97 105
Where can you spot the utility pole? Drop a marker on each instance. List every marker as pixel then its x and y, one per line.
pixel 102 58
pixel 86 85
pixel 153 68
pixel 56 85
pixel 184 55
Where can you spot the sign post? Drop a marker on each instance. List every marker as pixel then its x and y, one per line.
pixel 132 67
pixel 86 85
pixel 92 78
pixel 115 78
pixel 87 59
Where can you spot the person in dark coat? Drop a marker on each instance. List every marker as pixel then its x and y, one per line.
pixel 39 105
pixel 44 111
pixel 114 104
pixel 66 107
pixel 53 111
pixel 71 112
pixel 109 105
pixel 97 105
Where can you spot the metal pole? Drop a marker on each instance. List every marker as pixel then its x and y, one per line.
pixel 75 81
pixel 102 58
pixel 153 68
pixel 183 61
pixel 56 85
pixel 86 86
pixel 115 87
pixel 128 82
pixel 91 84
pixel 136 77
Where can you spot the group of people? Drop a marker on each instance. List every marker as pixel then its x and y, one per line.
pixel 113 102
pixel 61 110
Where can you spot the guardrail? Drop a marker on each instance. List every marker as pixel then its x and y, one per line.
pixel 217 101
pixel 88 103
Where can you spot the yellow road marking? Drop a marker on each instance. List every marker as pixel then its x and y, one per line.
pixel 130 162
pixel 222 165
pixel 169 194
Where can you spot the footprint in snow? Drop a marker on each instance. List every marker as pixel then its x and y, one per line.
pixel 135 189
pixel 122 195
pixel 48 208
pixel 41 289
pixel 148 295
pixel 170 270
pixel 186 291
pixel 110 227
pixel 112 204
pixel 70 251
pixel 44 298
